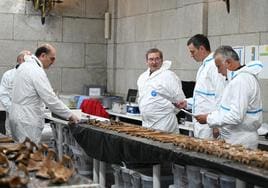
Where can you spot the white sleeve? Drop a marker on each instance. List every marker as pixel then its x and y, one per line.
pixel 5 97
pixel 214 119
pixel 237 106
pixel 47 94
pixel 174 87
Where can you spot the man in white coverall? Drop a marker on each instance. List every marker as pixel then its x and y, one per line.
pixel 7 85
pixel 158 89
pixel 31 92
pixel 240 111
pixel 208 88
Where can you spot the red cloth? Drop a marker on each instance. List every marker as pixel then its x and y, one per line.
pixel 93 107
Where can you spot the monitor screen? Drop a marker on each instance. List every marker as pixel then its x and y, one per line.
pixel 132 95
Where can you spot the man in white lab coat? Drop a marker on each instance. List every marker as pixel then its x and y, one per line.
pixel 31 92
pixel 158 89
pixel 209 85
pixel 7 85
pixel 240 111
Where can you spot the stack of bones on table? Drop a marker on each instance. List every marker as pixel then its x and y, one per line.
pixel 18 160
pixel 217 148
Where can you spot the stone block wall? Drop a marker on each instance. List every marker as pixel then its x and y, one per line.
pixel 75 28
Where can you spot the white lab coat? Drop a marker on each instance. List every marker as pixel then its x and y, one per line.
pixel 207 94
pixel 5 94
pixel 158 112
pixel 240 112
pixel 30 92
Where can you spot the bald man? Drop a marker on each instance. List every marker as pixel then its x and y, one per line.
pixel 7 85
pixel 31 93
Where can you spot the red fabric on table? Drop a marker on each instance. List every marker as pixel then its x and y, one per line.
pixel 93 107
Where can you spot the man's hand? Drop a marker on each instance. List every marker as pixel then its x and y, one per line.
pixel 202 119
pixel 73 119
pixel 181 104
pixel 216 132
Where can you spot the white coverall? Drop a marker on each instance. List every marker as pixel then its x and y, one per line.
pixel 207 94
pixel 158 112
pixel 5 94
pixel 240 112
pixel 31 91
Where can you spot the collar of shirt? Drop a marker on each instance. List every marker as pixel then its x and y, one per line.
pixel 39 63
pixel 208 59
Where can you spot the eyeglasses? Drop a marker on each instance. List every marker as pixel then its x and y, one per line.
pixel 157 59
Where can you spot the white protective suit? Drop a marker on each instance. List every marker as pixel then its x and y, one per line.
pixel 30 92
pixel 158 112
pixel 207 94
pixel 5 94
pixel 240 112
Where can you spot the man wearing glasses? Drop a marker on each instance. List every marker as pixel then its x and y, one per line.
pixel 31 92
pixel 158 89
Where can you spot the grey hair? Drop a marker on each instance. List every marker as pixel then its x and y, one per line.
pixel 227 52
pixel 23 53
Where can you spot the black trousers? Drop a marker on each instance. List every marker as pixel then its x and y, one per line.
pixel 2 122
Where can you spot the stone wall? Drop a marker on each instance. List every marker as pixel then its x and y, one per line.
pixel 75 28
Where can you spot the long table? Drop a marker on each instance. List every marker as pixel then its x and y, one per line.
pixel 112 147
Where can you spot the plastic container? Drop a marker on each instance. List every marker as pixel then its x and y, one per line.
pixel 68 139
pixel 79 99
pixel 135 179
pixel 227 182
pixel 54 130
pixel 179 176
pixel 194 177
pixel 47 133
pixel 240 184
pixel 83 164
pixel 107 101
pixel 53 144
pixel 65 135
pixel 202 172
pixel 139 177
pixel 118 179
pixel 131 178
pixel 68 100
pixel 126 177
pixel 211 180
pixel 146 177
pixel 147 181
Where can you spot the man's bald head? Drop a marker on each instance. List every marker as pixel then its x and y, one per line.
pixel 20 57
pixel 45 48
pixel 46 53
